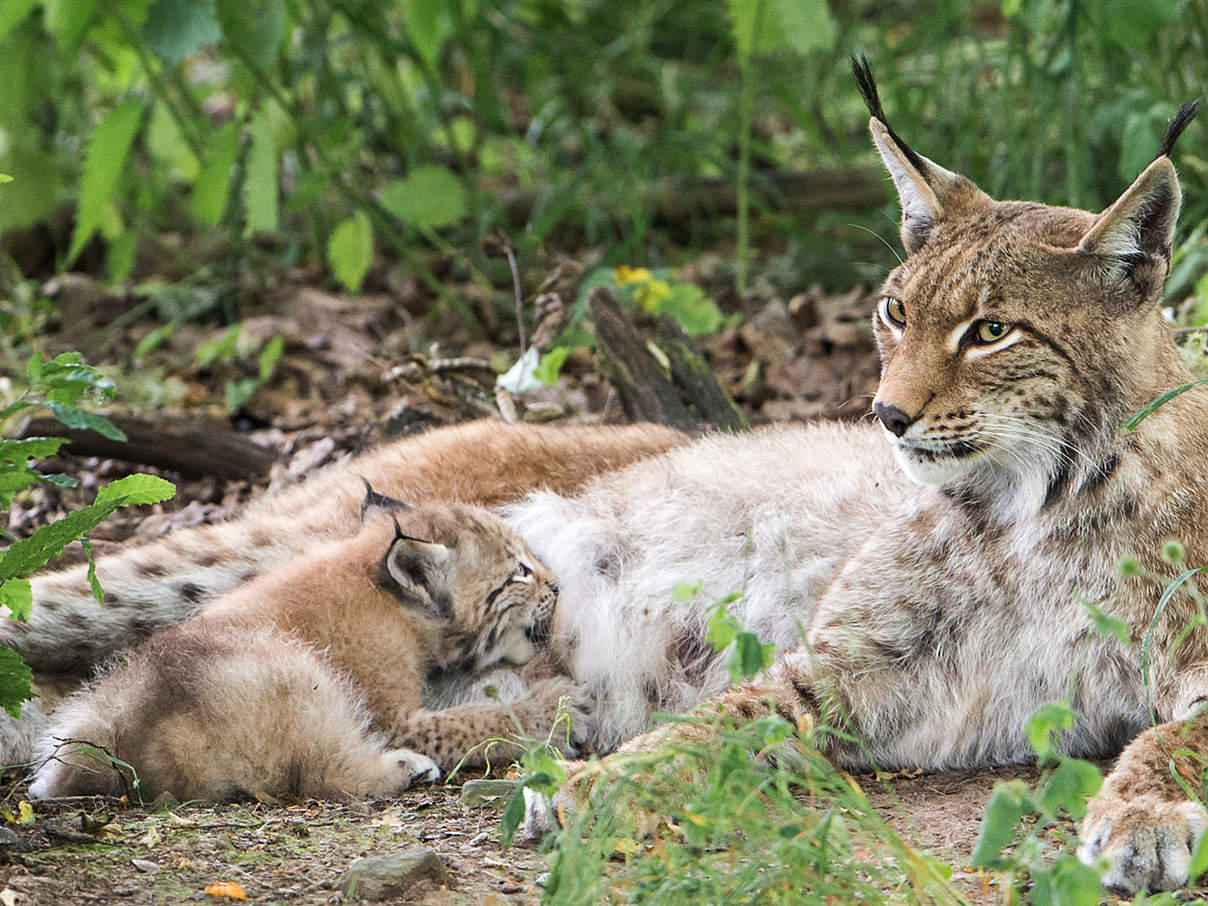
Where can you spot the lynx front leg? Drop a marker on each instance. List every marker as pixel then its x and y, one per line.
pixel 786 692
pixel 473 733
pixel 1142 820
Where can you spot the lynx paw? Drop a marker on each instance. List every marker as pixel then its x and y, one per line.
pixel 412 768
pixel 1149 842
pixel 544 698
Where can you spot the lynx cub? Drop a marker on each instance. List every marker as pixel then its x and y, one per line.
pixel 307 681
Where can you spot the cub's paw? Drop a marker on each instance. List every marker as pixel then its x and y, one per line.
pixel 541 709
pixel 411 767
pixel 1149 842
pixel 540 818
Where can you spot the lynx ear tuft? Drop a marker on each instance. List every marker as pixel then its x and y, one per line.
pixel 1132 238
pixel 375 501
pixel 1185 115
pixel 413 566
pixel 927 191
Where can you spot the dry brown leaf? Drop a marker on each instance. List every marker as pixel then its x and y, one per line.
pixel 226 889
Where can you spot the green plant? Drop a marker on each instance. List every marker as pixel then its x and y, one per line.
pixel 230 350
pixel 63 386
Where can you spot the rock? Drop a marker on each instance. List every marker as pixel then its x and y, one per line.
pixel 496 793
pixel 393 874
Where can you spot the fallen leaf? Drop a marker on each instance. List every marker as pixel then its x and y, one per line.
pixel 7 897
pixel 144 865
pixel 226 889
pixel 25 813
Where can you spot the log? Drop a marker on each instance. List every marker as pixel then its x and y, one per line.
pixel 685 395
pixel 194 449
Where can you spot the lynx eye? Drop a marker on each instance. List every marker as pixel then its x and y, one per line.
pixel 893 311
pixel 990 331
pixel 522 573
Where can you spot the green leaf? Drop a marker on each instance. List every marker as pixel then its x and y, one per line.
pixel 350 250
pixel 213 185
pixel 153 340
pixel 1075 884
pixel 1107 625
pixel 104 160
pixel 686 591
pixel 18 596
pixel 550 365
pixel 12 13
pixel 32 553
pixel 260 183
pixel 119 255
pixel 93 583
pixel 721 629
pixel 88 421
pixel 270 355
pixel 695 312
pixel 1069 786
pixel 1149 408
pixel 68 20
pixel 220 350
pixel 15 679
pixel 1006 807
pixel 60 481
pixel 255 27
pixel 430 196
pixel 1046 721
pixel 428 24
pixel 238 392
pixel 18 452
pixel 748 656
pixel 512 816
pixel 765 26
pixel 1199 861
pixel 177 28
pixel 136 489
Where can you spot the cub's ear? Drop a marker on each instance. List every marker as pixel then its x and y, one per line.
pixel 1132 238
pixel 412 570
pixel 927 191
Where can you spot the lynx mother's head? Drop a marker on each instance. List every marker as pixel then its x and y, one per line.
pixel 1016 338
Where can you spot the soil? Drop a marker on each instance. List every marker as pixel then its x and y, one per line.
pixel 352 374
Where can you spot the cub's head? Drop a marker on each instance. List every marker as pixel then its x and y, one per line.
pixel 467 572
pixel 1015 338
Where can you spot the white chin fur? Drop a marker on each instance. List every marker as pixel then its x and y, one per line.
pixel 941 471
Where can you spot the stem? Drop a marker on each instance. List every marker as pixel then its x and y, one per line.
pixel 746 114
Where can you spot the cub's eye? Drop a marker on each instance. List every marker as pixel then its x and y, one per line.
pixel 893 311
pixel 522 573
pixel 990 331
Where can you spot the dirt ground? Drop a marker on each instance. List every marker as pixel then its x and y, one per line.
pixel 299 854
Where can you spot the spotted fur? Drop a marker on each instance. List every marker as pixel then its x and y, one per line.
pixel 307 681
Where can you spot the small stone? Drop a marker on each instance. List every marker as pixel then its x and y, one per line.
pixel 393 874
pixel 479 839
pixel 146 865
pixel 496 793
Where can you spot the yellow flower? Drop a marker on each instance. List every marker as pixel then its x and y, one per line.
pixel 626 275
pixel 652 296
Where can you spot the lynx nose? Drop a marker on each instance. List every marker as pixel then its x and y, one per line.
pixel 893 418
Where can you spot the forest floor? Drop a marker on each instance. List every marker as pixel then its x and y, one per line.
pixel 357 371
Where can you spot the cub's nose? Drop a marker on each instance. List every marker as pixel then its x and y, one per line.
pixel 893 418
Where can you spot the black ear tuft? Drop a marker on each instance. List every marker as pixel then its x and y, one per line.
pixel 373 500
pixel 861 70
pixel 1185 115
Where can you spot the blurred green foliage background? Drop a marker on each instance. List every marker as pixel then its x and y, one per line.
pixel 338 131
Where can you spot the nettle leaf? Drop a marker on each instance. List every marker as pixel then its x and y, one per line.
pixel 748 656
pixel 428 197
pixel 512 816
pixel 255 27
pixel 260 183
pixel 15 680
pixel 721 629
pixel 32 553
pixel 176 28
pixel 136 489
pixel 89 421
pixel 213 185
pixel 1007 806
pixel 1070 785
pixel 18 596
pixel 18 452
pixel 1047 720
pixel 104 159
pixel 350 250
